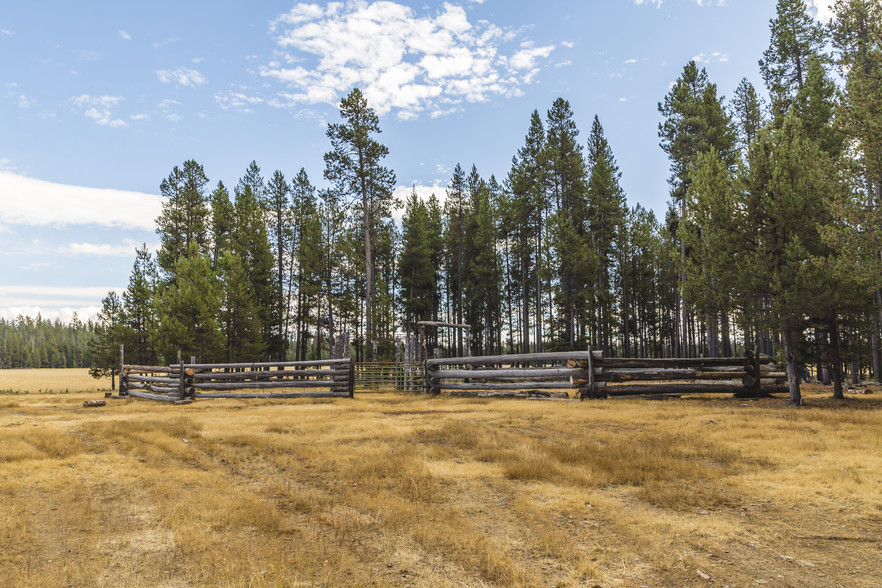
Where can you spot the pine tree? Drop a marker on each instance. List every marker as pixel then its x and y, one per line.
pixel 526 181
pixel 455 213
pixel 747 112
pixel 695 122
pixel 184 217
pixel 251 244
pixel 567 178
pixel 280 221
pixel 606 210
pixel 354 167
pixel 790 180
pixel 415 267
pixel 187 311
pixel 795 38
pixel 104 348
pixel 857 37
pixel 138 310
pixel 239 312
pixel 222 222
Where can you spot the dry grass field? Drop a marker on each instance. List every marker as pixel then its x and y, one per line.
pixel 391 490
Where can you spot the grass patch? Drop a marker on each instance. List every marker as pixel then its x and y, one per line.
pixel 402 491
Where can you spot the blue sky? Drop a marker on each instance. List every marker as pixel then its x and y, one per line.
pixel 100 99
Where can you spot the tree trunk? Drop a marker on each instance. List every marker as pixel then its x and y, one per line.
pixel 836 360
pixel 792 375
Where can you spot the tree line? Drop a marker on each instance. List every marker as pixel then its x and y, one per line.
pixel 772 239
pixel 40 343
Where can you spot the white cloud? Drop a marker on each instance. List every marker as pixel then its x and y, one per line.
pixel 138 117
pixel 402 61
pixel 124 35
pixel 715 57
pixel 656 3
pixel 568 44
pixel 402 193
pixel 630 61
pixel 237 100
pixel 100 109
pixel 31 202
pixel 182 76
pixel 5 32
pixel 124 249
pixel 821 9
pixel 52 302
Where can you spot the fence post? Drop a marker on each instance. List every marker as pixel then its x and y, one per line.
pixel 122 378
pixel 351 377
pixel 182 384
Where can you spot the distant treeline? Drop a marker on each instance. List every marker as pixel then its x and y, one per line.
pixel 771 241
pixel 37 343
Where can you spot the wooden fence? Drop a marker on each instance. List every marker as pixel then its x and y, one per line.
pixel 541 375
pixel 587 374
pixel 330 378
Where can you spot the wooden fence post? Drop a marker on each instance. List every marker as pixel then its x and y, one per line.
pixel 351 377
pixel 182 385
pixel 122 362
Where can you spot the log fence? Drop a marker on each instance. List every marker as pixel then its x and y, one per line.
pixel 185 382
pixel 587 374
pixel 570 375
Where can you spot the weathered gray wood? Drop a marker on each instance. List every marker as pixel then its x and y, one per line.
pixel 267 375
pixel 272 395
pixel 156 389
pixel 503 385
pixel 559 357
pixel 244 385
pixel 149 396
pixel 641 389
pixel 511 373
pixel 674 362
pixel 661 375
pixel 268 364
pixel 148 369
pixel 153 379
pixel 441 324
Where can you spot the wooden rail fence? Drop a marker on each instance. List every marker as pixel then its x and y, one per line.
pixel 327 378
pixel 587 374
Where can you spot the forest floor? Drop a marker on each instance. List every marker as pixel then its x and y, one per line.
pixel 395 490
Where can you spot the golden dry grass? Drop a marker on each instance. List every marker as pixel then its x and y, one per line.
pixel 390 490
pixel 56 381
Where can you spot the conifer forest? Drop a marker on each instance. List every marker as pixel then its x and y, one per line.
pixel 772 239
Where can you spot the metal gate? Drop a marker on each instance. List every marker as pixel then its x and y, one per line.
pixel 389 376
